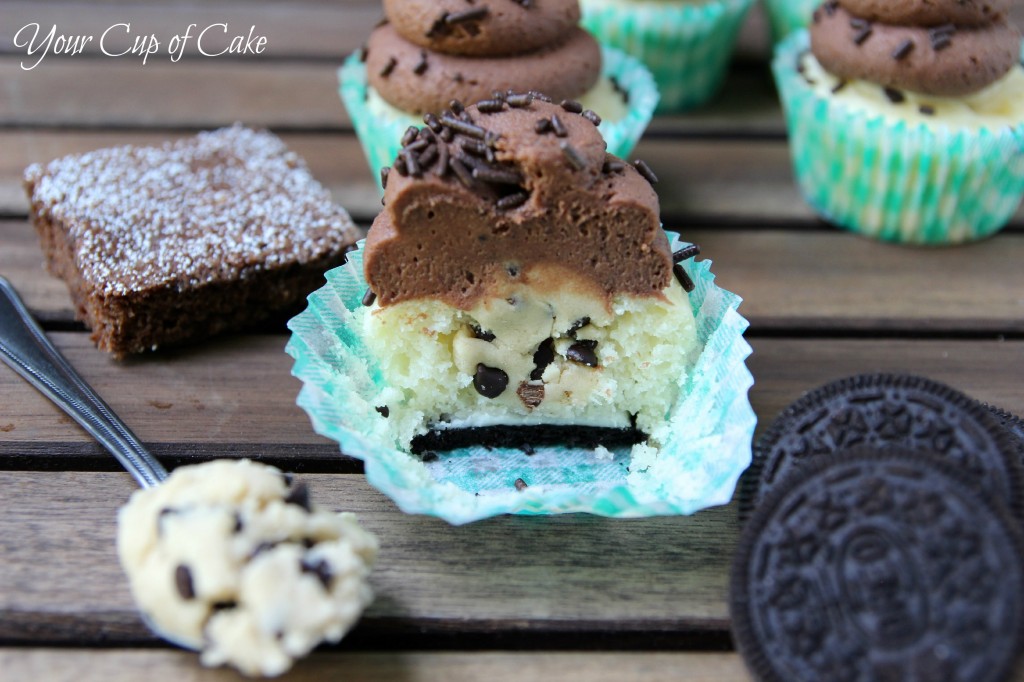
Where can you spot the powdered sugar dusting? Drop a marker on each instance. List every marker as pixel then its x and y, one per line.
pixel 215 207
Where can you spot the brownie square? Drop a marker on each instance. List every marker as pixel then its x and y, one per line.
pixel 165 245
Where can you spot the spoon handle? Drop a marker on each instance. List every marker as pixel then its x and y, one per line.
pixel 26 349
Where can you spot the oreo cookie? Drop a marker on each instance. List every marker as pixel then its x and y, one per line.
pixel 881 410
pixel 884 565
pixel 1013 425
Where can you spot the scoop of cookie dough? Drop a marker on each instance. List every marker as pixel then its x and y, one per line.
pixel 228 558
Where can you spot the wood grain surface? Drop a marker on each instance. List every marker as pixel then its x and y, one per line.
pixel 570 597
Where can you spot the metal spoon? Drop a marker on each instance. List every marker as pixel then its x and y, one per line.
pixel 24 347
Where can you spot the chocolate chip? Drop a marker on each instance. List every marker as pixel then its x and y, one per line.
pixel 490 382
pixel 481 334
pixel 927 109
pixel 299 495
pixel 572 106
pixel 520 484
pixel 383 411
pixel 237 528
pixel 903 49
pixel 895 96
pixel 838 86
pixel 645 171
pixel 582 352
pixel 389 67
pixel 578 325
pixel 321 569
pixel 183 581
pixel 261 548
pixel 542 357
pixel 223 605
pixel 369 297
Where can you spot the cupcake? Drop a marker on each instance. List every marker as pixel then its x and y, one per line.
pixel 786 16
pixel 906 120
pixel 429 53
pixel 685 44
pixel 517 332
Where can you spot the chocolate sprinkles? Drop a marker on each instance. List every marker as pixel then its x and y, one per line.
pixel 684 279
pixel 572 106
pixel 389 67
pixel 422 65
pixel 903 49
pixel 511 201
pixel 573 156
pixel 592 116
pixel 612 165
pixel 542 126
pixel 369 297
pixel 183 581
pixel 686 253
pixel 646 171
pixel 558 126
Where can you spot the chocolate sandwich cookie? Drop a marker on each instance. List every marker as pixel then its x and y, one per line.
pixel 947 61
pixel 520 177
pixel 500 27
pixel 1013 425
pixel 418 80
pixel 929 12
pixel 879 566
pixel 879 410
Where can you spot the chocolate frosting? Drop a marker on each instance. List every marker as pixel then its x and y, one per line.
pixel 417 80
pixel 945 60
pixel 499 27
pixel 535 199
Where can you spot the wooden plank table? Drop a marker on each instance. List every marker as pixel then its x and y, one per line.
pixel 570 597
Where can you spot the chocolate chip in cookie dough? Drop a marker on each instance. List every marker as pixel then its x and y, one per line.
pixel 531 394
pixel 321 569
pixel 183 581
pixel 895 96
pixel 927 109
pixel 542 357
pixel 583 352
pixel 383 410
pixel 299 495
pixel 490 382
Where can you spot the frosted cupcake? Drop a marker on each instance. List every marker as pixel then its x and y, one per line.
pixel 685 44
pixel 525 337
pixel 786 16
pixel 429 53
pixel 906 119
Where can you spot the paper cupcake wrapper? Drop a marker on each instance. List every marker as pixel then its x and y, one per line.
pixel 707 440
pixel 380 136
pixel 686 45
pixel 786 16
pixel 892 180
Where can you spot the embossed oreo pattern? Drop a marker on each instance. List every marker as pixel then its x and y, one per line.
pixel 879 410
pixel 1013 424
pixel 879 566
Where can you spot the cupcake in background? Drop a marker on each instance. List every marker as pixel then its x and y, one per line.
pixel 906 119
pixel 685 43
pixel 786 16
pixel 428 53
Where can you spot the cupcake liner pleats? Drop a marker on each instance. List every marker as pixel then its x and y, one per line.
pixel 892 180
pixel 380 132
pixel 686 45
pixel 706 438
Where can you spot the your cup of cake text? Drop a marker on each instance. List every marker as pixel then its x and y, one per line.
pixel 123 40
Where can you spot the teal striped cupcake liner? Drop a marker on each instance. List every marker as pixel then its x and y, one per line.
pixel 786 16
pixel 380 136
pixel 895 181
pixel 707 437
pixel 686 45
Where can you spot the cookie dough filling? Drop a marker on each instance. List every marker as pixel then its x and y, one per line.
pixel 231 558
pixel 519 275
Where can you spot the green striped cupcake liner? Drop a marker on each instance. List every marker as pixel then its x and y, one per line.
pixel 686 45
pixel 786 16
pixel 895 181
pixel 707 436
pixel 380 136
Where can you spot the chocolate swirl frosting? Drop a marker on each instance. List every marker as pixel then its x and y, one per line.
pixel 944 48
